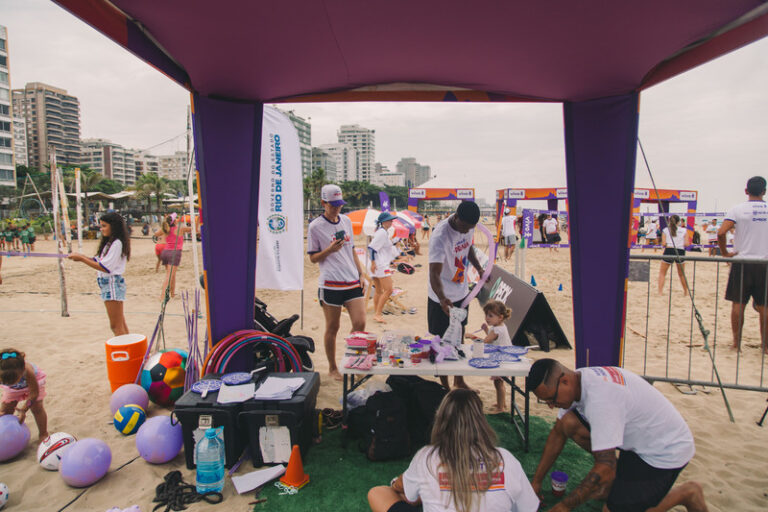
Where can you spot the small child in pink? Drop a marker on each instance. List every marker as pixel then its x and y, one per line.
pixel 496 333
pixel 23 382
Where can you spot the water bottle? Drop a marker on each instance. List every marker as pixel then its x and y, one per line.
pixel 210 463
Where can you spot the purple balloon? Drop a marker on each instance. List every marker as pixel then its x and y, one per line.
pixel 128 394
pixel 85 462
pixel 14 436
pixel 158 441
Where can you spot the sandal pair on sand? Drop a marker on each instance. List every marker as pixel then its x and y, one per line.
pixel 331 418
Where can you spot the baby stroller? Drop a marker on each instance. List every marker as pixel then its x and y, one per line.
pixel 264 321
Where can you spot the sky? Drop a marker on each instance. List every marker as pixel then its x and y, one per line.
pixel 705 130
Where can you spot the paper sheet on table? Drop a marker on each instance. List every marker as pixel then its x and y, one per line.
pixel 254 479
pixel 235 394
pixel 275 444
pixel 276 388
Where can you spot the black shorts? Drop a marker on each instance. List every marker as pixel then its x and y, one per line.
pixel 671 251
pixel 747 280
pixel 402 506
pixel 638 485
pixel 438 321
pixel 338 297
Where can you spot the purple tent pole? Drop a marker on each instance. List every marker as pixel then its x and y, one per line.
pixel 600 152
pixel 228 151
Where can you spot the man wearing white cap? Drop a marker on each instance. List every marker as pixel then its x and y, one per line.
pixel 330 243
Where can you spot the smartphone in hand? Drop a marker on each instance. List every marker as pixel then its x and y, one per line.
pixel 340 235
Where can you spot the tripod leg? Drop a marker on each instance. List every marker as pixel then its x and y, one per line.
pixel 760 423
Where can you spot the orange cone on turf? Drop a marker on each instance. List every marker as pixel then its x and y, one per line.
pixel 294 475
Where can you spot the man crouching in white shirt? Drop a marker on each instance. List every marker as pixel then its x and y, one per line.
pixel 604 409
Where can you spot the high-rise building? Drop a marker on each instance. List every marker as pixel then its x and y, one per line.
pixel 363 141
pixel 53 119
pixel 173 167
pixel 7 163
pixel 383 176
pixel 346 161
pixel 111 160
pixel 415 173
pixel 305 140
pixel 321 159
pixel 145 163
pixel 20 140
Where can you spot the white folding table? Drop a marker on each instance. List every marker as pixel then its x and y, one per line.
pixel 354 378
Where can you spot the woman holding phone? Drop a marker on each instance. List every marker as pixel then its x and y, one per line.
pixel 330 244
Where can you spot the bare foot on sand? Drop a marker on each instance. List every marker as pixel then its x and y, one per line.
pixel 495 409
pixel 380 319
pixel 335 374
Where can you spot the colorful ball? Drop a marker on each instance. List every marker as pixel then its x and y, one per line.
pixel 128 394
pixel 129 418
pixel 14 436
pixel 52 448
pixel 3 494
pixel 159 440
pixel 85 462
pixel 163 376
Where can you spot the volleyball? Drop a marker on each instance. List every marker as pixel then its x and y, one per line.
pixel 52 448
pixel 163 376
pixel 129 418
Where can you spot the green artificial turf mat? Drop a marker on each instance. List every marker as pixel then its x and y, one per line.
pixel 341 477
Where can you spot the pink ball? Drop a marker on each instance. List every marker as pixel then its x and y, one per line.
pixel 128 394
pixel 85 462
pixel 14 436
pixel 158 441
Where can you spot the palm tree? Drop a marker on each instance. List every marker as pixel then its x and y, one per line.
pixel 88 179
pixel 145 186
pixel 313 185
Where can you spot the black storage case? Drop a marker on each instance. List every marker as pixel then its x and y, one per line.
pixel 297 413
pixel 192 406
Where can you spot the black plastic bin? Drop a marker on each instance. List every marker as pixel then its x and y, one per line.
pixel 297 414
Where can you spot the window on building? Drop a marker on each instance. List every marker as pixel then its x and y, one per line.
pixel 5 110
pixel 2 44
pixel 5 126
pixel 4 94
pixel 6 175
pixel 6 159
pixel 3 61
pixel 3 77
pixel 5 142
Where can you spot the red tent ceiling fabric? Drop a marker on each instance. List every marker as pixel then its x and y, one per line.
pixel 550 51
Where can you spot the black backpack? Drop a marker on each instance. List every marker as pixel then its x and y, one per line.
pixel 422 398
pixel 387 437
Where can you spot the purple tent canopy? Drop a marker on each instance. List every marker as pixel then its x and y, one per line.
pixel 592 55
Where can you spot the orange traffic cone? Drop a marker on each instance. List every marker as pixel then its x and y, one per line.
pixel 294 475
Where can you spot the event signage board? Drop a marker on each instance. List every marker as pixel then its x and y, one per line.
pixel 280 257
pixel 438 194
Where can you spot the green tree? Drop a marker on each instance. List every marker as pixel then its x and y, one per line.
pixel 108 186
pixel 151 184
pixel 313 185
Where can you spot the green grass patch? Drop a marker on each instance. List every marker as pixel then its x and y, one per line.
pixel 340 477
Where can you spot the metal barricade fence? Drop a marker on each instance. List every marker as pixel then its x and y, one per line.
pixel 671 347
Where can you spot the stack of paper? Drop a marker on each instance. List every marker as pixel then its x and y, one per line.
pixel 276 388
pixel 254 479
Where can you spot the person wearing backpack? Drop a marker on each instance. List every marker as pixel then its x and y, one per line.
pixel 462 470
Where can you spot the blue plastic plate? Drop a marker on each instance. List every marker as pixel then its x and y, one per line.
pixel 518 351
pixel 206 385
pixel 484 362
pixel 490 348
pixel 236 378
pixel 503 357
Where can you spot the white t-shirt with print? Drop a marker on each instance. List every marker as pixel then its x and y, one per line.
pixel 712 232
pixel 751 219
pixel 679 239
pixel 550 226
pixel 111 260
pixel 508 223
pixel 338 271
pixel 385 252
pixel 451 248
pixel 502 335
pixel 650 230
pixel 510 490
pixel 626 412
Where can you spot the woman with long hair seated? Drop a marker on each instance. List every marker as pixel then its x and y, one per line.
pixel 462 470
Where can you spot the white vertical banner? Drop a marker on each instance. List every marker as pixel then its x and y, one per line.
pixel 280 257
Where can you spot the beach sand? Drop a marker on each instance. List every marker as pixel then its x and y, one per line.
pixel 731 461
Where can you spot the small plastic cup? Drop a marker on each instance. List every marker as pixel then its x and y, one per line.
pixel 559 483
pixel 478 349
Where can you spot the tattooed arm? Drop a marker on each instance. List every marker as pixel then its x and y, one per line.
pixel 596 484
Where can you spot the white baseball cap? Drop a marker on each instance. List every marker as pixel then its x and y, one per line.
pixel 332 194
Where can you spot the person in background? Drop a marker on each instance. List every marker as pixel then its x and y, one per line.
pixel 330 244
pixel 509 233
pixel 711 231
pixel 675 239
pixel 651 233
pixel 170 256
pixel 382 252
pixel 604 409
pixel 551 228
pixel 496 333
pixel 425 228
pixel 750 241
pixel 461 470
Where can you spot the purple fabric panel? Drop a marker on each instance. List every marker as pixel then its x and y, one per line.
pixel 574 51
pixel 600 143
pixel 228 148
pixel 146 50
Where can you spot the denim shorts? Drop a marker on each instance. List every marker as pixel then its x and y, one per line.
pixel 112 287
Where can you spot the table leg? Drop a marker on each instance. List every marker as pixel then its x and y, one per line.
pixel 344 392
pixel 522 430
pixel 527 417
